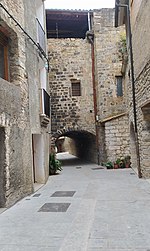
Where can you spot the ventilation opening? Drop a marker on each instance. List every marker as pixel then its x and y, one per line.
pixel 76 88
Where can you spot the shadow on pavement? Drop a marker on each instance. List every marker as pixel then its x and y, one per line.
pixel 70 160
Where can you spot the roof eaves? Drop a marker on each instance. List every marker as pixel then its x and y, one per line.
pixel 70 10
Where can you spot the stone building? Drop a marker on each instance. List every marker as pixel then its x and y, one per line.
pixel 23 112
pixel 88 95
pixel 137 79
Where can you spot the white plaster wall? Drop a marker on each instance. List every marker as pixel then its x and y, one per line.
pixel 40 12
pixel 38 142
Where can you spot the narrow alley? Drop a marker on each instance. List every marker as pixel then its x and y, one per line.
pixel 84 208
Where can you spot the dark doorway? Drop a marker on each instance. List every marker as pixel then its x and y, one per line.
pixel 2 167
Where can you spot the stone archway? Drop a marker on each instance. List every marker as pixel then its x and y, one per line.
pixel 79 142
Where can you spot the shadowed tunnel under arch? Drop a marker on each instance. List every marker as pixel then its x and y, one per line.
pixel 79 143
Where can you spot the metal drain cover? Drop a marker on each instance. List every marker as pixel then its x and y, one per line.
pixel 63 194
pixel 54 207
pixel 97 168
pixel 78 167
pixel 36 195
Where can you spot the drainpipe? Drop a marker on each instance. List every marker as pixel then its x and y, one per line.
pixel 133 84
pixel 90 37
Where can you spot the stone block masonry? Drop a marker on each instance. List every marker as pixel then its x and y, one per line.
pixel 70 62
pixel 108 63
pixel 117 138
pixel 140 20
pixel 73 115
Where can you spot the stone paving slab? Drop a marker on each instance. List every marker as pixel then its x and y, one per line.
pixel 110 211
pixel 26 248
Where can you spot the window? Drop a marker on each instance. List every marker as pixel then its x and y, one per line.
pixel 119 86
pixel 3 56
pixel 76 88
pixel 41 36
pixel 45 103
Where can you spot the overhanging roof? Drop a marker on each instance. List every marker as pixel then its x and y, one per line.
pixel 120 12
pixel 66 23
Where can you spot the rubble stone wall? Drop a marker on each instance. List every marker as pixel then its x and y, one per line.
pixel 70 59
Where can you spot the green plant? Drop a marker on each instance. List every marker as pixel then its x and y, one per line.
pixel 109 165
pixel 127 161
pixel 123 44
pixel 120 162
pixel 54 164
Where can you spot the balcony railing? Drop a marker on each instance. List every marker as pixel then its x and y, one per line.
pixel 45 108
pixel 41 36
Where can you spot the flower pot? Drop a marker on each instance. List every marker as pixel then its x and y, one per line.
pixel 127 165
pixel 116 166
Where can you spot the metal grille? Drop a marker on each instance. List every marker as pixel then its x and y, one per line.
pixel 76 88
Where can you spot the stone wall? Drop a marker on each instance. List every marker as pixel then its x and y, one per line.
pixel 141 55
pixel 17 173
pixel 117 138
pixel 114 135
pixel 134 10
pixel 108 64
pixel 14 109
pixel 140 36
pixel 143 118
pixel 70 59
pixel 20 103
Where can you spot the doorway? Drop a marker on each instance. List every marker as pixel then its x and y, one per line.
pixel 38 158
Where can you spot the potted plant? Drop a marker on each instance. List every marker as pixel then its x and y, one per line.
pixel 54 164
pixel 127 161
pixel 109 165
pixel 116 165
pixel 120 163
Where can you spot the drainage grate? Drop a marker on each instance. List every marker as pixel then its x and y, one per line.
pixel 63 194
pixel 97 168
pixel 78 167
pixel 132 173
pixel 54 207
pixel 36 195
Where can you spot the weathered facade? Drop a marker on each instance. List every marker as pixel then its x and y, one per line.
pixel 139 14
pixel 96 62
pixel 19 93
pixel 111 104
pixel 70 64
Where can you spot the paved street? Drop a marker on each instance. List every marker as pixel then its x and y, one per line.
pixel 81 209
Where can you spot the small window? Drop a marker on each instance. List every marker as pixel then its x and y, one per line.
pixel 76 88
pixel 3 56
pixel 119 86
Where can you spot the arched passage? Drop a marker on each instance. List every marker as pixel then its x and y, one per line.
pixel 79 143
